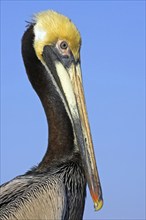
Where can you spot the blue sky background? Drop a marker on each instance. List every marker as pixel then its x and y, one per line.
pixel 113 67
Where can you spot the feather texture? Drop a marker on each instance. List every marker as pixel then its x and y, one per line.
pixel 56 195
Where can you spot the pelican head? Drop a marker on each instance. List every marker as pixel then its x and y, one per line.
pixel 57 45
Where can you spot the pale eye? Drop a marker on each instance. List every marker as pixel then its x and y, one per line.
pixel 64 45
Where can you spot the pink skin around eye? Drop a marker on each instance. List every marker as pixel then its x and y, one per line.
pixel 62 51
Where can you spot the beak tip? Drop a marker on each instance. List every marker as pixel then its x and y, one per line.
pixel 98 205
pixel 97 199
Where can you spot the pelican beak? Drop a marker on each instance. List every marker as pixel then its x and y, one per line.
pixel 86 146
pixel 67 75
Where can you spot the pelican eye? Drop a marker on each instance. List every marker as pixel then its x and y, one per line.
pixel 63 45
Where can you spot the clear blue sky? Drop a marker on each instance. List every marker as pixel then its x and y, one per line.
pixel 113 66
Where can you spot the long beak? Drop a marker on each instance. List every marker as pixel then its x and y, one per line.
pixel 71 82
pixel 87 150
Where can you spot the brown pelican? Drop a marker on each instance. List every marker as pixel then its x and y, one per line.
pixel 56 188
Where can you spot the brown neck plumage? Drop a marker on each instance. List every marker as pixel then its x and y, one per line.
pixel 61 140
